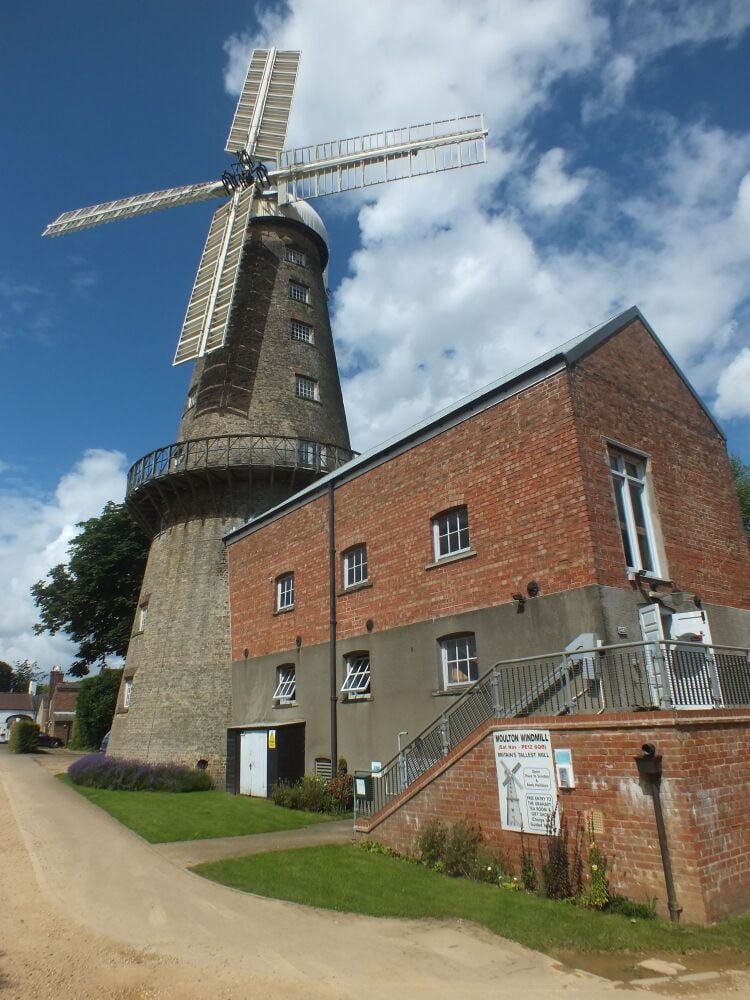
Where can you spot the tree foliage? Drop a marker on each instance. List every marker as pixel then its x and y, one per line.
pixel 93 598
pixel 18 677
pixel 742 483
pixel 95 707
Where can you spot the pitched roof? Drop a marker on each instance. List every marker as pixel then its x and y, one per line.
pixel 12 700
pixel 564 356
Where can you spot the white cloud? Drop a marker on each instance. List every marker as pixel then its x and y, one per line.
pixel 34 536
pixel 642 30
pixel 733 392
pixel 617 76
pixel 463 276
pixel 551 188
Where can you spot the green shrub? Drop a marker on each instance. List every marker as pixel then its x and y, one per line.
pixel 629 908
pixel 598 895
pixel 529 878
pixel 462 849
pixel 555 867
pixel 24 736
pixel 310 794
pixel 431 843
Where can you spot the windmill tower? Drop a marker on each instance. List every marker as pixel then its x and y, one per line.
pixel 264 415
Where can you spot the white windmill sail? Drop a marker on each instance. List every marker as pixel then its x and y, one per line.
pixel 262 114
pixel 257 134
pixel 137 204
pixel 205 325
pixel 380 157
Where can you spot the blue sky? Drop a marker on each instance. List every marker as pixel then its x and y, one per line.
pixel 618 173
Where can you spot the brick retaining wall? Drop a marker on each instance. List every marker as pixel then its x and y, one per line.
pixel 705 788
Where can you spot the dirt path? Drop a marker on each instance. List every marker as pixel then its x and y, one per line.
pixel 90 911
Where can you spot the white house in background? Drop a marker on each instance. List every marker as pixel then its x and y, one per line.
pixel 12 708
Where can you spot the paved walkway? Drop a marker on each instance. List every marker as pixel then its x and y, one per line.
pixel 187 853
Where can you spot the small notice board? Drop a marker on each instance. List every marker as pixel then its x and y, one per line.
pixel 526 780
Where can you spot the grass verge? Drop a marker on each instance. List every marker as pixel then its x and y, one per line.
pixel 346 878
pixel 161 817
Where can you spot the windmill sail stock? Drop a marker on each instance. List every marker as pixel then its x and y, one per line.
pixel 265 172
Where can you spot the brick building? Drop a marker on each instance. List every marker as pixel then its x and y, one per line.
pixel 587 497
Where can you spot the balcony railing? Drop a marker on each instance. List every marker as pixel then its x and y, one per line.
pixel 629 677
pixel 236 451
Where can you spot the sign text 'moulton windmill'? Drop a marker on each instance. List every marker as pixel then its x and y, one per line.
pixel 264 414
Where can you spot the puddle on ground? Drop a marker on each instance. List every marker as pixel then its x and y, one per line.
pixel 623 966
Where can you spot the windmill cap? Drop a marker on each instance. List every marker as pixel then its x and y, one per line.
pixel 301 211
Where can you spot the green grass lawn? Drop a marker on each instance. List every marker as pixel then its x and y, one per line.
pixel 160 817
pixel 353 880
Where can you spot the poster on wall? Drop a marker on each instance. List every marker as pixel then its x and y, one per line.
pixel 526 780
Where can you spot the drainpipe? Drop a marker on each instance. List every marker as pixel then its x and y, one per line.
pixel 332 633
pixel 650 769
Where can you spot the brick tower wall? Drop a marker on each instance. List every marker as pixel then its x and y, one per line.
pixel 178 664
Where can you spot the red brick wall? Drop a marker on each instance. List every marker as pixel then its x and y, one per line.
pixel 515 465
pixel 627 391
pixel 706 760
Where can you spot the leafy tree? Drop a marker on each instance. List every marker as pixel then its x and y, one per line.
pixel 95 707
pixel 742 483
pixel 6 676
pixel 23 674
pixel 93 598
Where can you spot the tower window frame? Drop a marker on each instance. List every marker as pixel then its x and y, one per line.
pixel 295 256
pixel 307 388
pixel 302 332
pixel 299 292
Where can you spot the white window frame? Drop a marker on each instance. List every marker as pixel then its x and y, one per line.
pixel 295 256
pixel 299 293
pixel 127 692
pixel 286 684
pixel 302 332
pixel 450 533
pixel 357 681
pixel 285 592
pixel 142 616
pixel 306 387
pixel 307 454
pixel 457 651
pixel 355 566
pixel 626 482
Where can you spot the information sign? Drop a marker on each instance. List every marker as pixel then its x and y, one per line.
pixel 526 780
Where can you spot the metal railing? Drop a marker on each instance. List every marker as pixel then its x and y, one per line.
pixel 628 677
pixel 234 451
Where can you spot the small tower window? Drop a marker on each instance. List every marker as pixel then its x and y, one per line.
pixel 301 331
pixel 305 387
pixel 295 256
pixel 299 293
